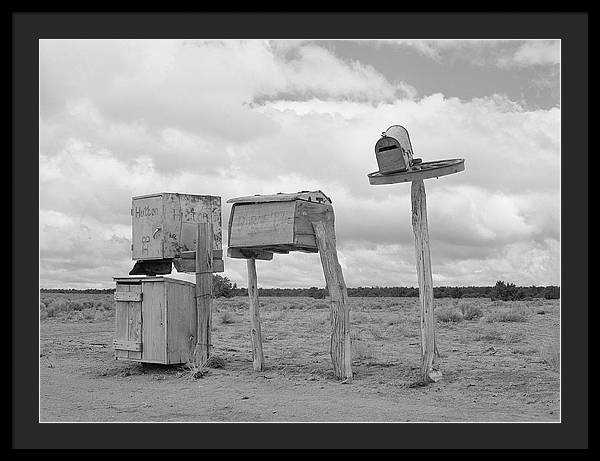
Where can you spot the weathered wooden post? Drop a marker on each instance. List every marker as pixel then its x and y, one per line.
pixel 340 343
pixel 204 292
pixel 423 259
pixel 396 165
pixel 261 225
pixel 255 331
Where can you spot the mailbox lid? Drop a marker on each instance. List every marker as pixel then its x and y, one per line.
pixel 310 196
pixel 400 134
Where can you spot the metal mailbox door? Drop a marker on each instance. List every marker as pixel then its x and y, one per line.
pixel 147 222
pixel 128 332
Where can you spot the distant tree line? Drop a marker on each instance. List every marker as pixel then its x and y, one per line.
pixel 222 287
pixel 75 291
pixel 502 291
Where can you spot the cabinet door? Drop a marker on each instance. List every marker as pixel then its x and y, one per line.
pixel 147 231
pixel 128 332
pixel 154 328
pixel 182 322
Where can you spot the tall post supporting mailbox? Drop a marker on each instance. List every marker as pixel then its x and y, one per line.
pixel 394 155
pixel 260 225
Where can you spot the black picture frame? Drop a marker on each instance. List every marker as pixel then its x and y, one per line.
pixel 29 27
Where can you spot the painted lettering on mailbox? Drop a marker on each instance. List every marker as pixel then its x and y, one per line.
pixel 143 212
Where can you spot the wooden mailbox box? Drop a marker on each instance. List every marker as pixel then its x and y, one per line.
pixel 155 320
pixel 261 225
pixel 164 225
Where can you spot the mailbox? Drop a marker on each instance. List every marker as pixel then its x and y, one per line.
pixel 393 150
pixel 266 224
pixel 164 228
pixel 164 225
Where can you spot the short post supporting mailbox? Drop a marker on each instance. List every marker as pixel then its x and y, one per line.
pixel 204 293
pixel 255 331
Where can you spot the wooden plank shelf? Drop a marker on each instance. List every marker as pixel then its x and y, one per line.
pixel 127 345
pixel 128 296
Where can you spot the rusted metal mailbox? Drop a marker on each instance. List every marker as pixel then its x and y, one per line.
pixel 260 225
pixel 393 150
pixel 164 227
pixel 155 320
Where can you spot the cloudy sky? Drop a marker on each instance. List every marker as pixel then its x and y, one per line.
pixel 120 118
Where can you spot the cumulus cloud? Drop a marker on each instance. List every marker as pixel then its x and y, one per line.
pixel 231 118
pixel 502 53
pixel 532 53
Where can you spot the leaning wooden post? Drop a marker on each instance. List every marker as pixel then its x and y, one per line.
pixel 255 332
pixel 423 259
pixel 203 291
pixel 340 343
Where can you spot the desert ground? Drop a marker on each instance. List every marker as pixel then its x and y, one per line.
pixel 500 362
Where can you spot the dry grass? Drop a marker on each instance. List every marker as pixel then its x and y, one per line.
pixel 214 361
pixel 362 350
pixel 226 317
pixel 471 311
pixel 275 316
pixel 515 337
pixel 525 350
pixel 550 353
pixel 448 314
pixel 512 314
pixel 378 333
pixel 76 307
pixel 489 335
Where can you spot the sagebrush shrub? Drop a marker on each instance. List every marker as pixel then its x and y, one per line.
pixel 448 314
pixel 471 311
pixel 88 314
pixel 514 314
pixel 226 317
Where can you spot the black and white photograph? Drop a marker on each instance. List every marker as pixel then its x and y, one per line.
pixel 300 230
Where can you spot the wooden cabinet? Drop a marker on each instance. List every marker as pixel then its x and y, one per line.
pixel 155 320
